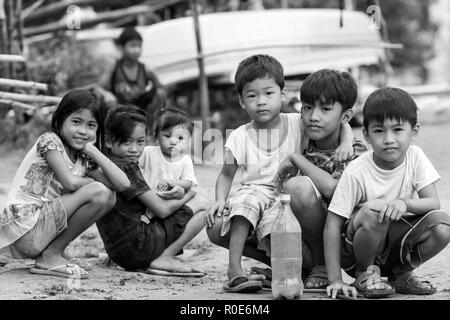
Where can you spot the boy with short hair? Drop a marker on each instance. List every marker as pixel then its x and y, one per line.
pixel 375 219
pixel 327 97
pixel 256 148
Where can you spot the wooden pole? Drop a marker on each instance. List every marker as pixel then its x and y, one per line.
pixel 2 38
pixel 15 104
pixel 23 84
pixel 29 98
pixel 11 58
pixel 10 28
pixel 203 81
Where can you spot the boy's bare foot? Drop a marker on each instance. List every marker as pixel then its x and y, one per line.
pixel 171 264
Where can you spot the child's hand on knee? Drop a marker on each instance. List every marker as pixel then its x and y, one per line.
pixel 216 209
pixel 393 210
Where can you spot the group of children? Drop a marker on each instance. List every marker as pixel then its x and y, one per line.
pixel 373 213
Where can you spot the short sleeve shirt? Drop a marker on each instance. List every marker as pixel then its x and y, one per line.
pixel 364 181
pixel 324 159
pixel 156 167
pixel 118 228
pixel 35 183
pixel 257 166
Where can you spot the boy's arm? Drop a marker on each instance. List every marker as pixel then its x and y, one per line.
pixel 332 248
pixel 164 208
pixel 428 201
pixel 223 187
pixel 394 210
pixel 345 150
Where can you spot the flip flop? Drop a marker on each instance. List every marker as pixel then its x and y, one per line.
pixel 68 270
pixel 176 273
pixel 241 284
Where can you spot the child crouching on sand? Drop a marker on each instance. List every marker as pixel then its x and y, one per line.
pixel 144 231
pixel 384 219
pixel 55 195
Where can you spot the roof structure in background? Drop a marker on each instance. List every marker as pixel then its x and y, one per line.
pixel 303 40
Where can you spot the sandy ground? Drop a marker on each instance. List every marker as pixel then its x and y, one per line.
pixel 109 282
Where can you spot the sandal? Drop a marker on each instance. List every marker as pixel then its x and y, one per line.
pixel 371 285
pixel 242 284
pixel 409 283
pixel 317 279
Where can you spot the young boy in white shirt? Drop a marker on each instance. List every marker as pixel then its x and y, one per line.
pixel 384 218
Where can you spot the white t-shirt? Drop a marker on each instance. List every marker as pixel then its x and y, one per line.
pixel 257 166
pixel 364 181
pixel 155 167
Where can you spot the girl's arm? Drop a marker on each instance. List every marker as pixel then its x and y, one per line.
pixel 164 208
pixel 68 180
pixel 108 173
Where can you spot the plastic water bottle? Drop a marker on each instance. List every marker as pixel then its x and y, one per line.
pixel 286 253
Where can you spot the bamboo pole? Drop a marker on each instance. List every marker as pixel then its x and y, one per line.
pixel 10 30
pixel 11 58
pixel 24 84
pixel 203 80
pixel 29 98
pixel 15 104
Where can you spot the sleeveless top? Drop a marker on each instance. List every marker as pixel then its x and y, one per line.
pixel 128 90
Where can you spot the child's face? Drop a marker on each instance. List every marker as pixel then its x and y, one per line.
pixel 173 141
pixel 132 148
pixel 390 140
pixel 132 49
pixel 262 99
pixel 78 129
pixel 324 121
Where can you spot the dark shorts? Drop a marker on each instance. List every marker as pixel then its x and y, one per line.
pixel 152 239
pixel 399 245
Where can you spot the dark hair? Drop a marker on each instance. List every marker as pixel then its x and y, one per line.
pixel 169 117
pixel 327 87
pixel 389 103
pixel 76 100
pixel 122 120
pixel 258 67
pixel 128 34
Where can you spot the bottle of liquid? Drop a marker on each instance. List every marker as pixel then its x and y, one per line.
pixel 286 253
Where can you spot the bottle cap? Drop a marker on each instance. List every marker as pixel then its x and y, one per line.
pixel 285 197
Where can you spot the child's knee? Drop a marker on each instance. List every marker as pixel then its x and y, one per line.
pixel 202 203
pixel 301 190
pixel 368 219
pixel 102 195
pixel 441 233
pixel 214 234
